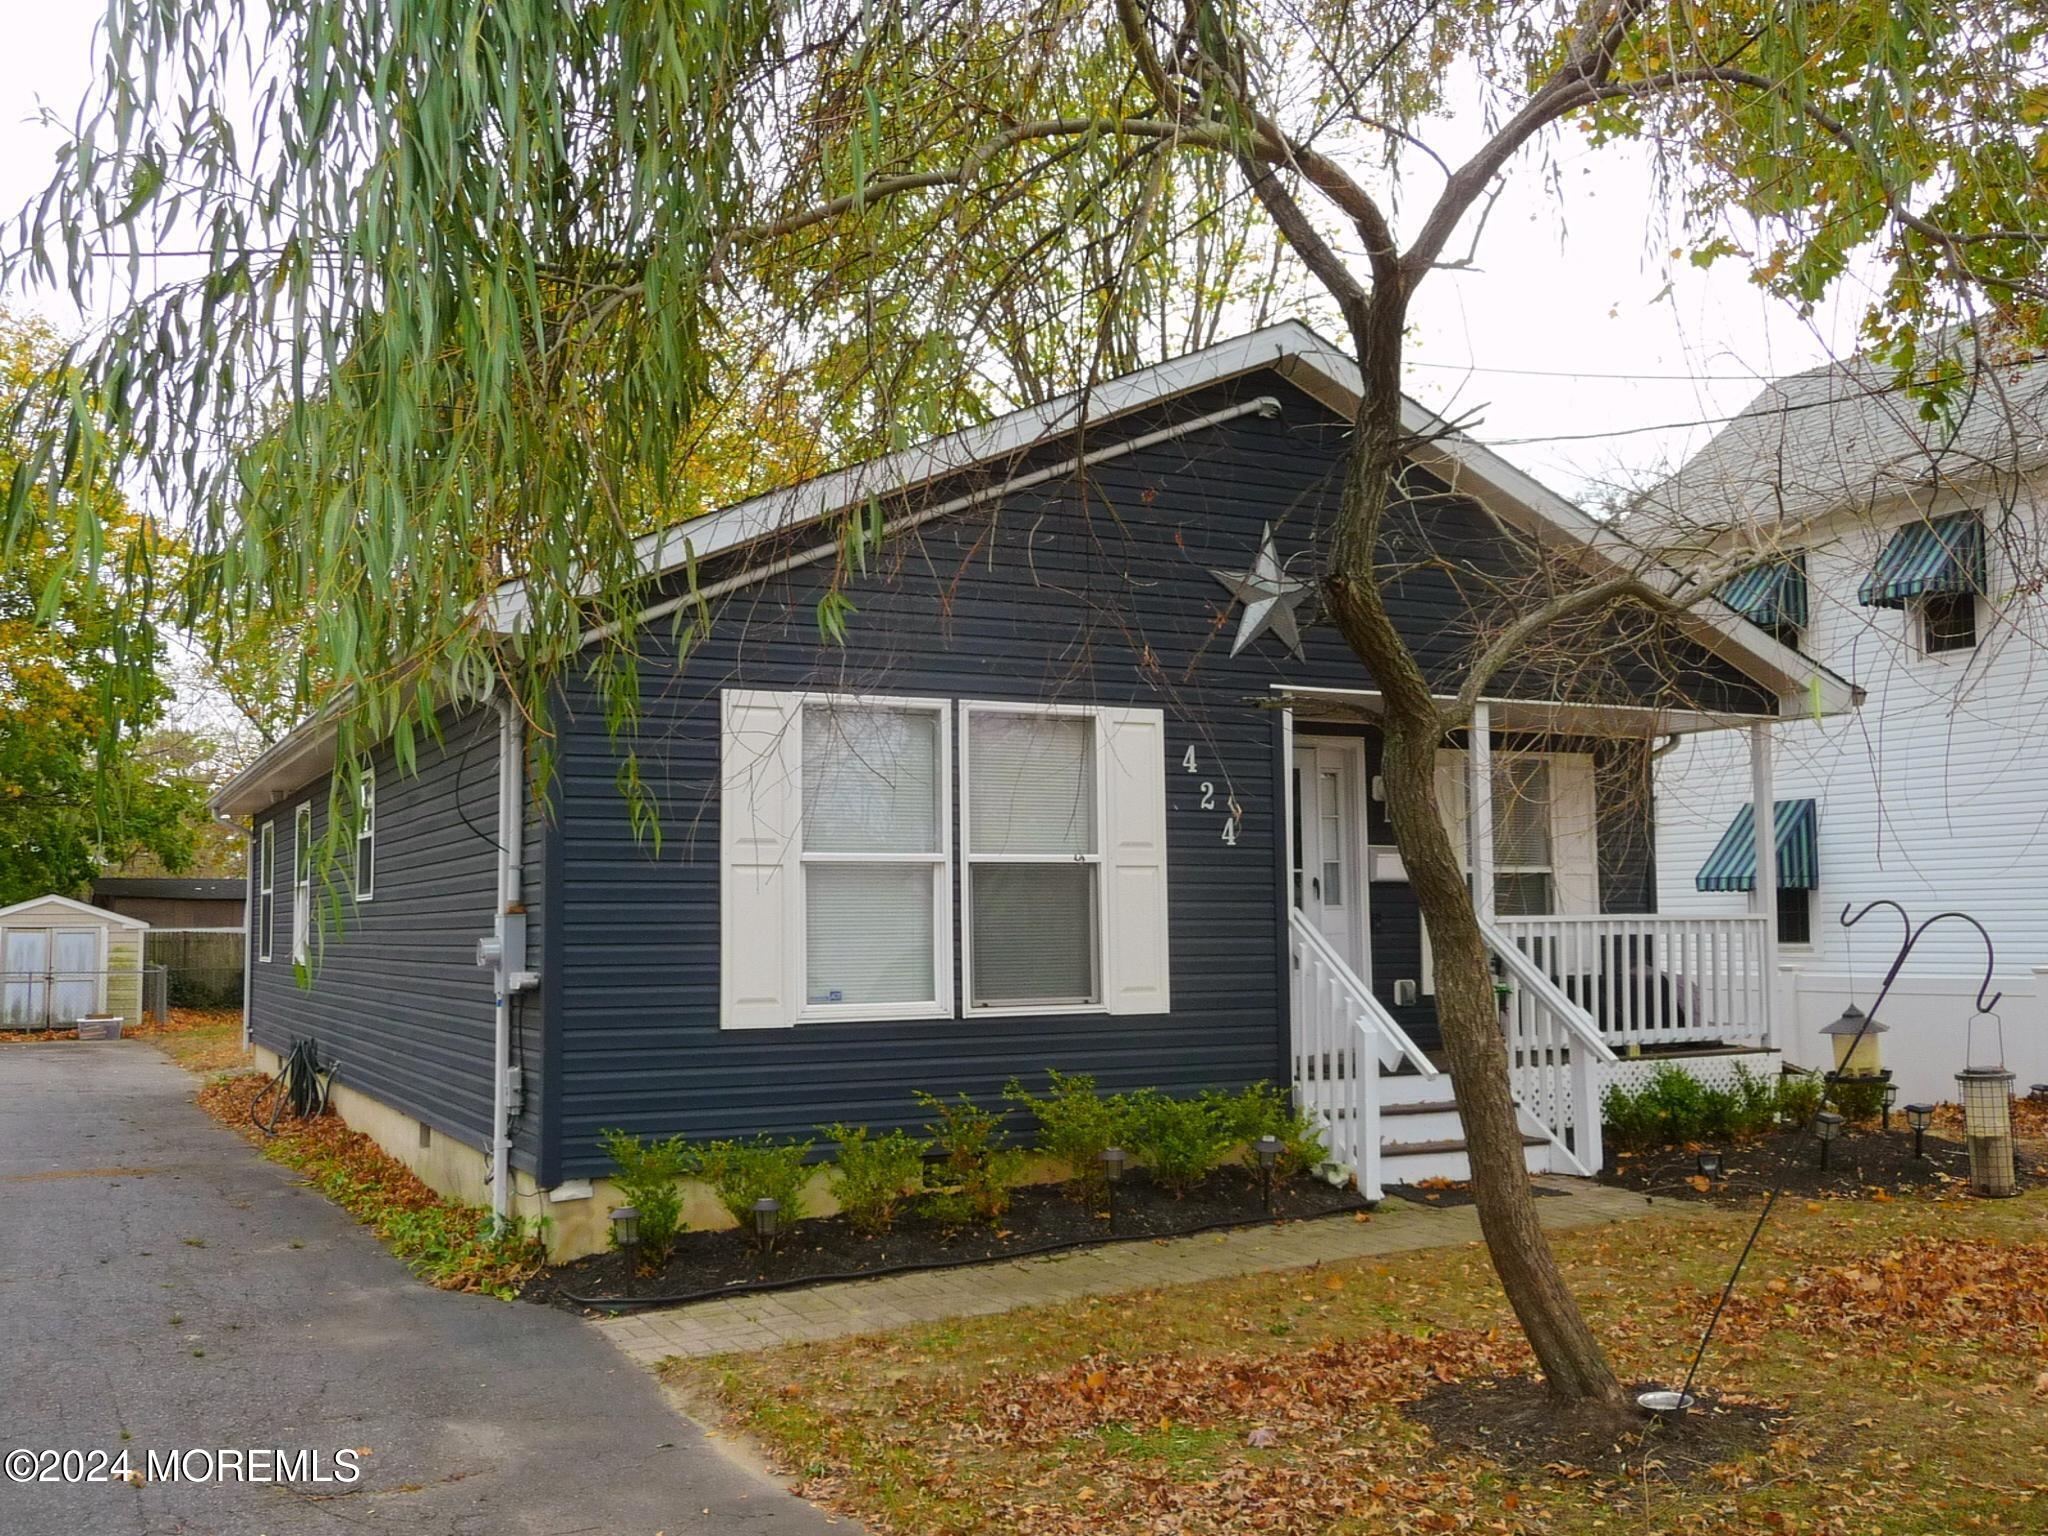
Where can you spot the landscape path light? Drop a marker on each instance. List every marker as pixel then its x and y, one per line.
pixel 626 1237
pixel 1919 1116
pixel 1113 1160
pixel 1827 1125
pixel 767 1221
pixel 1710 1165
pixel 1269 1149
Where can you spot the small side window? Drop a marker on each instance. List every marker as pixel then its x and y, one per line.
pixel 1795 917
pixel 1948 622
pixel 266 890
pixel 366 836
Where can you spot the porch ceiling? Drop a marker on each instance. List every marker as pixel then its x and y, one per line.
pixel 1539 716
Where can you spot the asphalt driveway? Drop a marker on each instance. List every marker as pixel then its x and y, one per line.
pixel 164 1288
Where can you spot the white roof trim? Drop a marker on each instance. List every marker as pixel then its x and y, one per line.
pixel 1564 717
pixel 1315 366
pixel 98 914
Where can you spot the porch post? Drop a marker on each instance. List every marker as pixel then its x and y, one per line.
pixel 1479 810
pixel 1763 896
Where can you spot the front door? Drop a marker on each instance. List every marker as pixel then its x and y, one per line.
pixel 1329 786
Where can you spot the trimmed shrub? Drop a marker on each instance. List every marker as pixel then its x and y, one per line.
pixel 648 1171
pixel 1674 1107
pixel 874 1174
pixel 1856 1098
pixel 741 1172
pixel 1182 1141
pixel 1075 1125
pixel 1265 1110
pixel 972 1179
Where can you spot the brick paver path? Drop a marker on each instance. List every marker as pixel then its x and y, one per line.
pixel 894 1301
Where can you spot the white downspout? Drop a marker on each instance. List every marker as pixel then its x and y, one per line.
pixel 510 904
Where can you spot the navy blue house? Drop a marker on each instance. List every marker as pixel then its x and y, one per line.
pixel 1087 787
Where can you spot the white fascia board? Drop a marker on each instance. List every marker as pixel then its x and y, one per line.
pixel 1555 716
pixel 69 904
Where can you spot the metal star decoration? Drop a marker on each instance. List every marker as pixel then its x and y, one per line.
pixel 1270 597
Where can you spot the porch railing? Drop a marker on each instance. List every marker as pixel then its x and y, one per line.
pixel 1651 980
pixel 1341 1037
pixel 1554 1052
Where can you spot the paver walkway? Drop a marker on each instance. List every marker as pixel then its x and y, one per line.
pixel 866 1306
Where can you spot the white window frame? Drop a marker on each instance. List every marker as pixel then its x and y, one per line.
pixel 941 862
pixel 969 1008
pixel 366 834
pixel 1976 629
pixel 302 883
pixel 266 890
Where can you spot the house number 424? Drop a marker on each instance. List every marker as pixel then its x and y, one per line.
pixel 1233 813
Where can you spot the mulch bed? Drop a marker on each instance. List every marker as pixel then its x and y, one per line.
pixel 1514 1420
pixel 1863 1162
pixel 1041 1217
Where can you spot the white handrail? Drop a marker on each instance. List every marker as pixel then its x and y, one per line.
pixel 1361 997
pixel 1554 1052
pixel 1528 974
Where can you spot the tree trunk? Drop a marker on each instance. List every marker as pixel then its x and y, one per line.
pixel 1573 1363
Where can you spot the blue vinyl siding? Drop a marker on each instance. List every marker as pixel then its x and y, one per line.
pixel 1101 594
pixel 396 997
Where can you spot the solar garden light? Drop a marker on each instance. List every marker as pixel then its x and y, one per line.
pixel 1986 1095
pixel 1827 1125
pixel 1891 1097
pixel 2038 1093
pixel 1710 1165
pixel 1112 1172
pixel 1919 1116
pixel 626 1237
pixel 1269 1149
pixel 767 1221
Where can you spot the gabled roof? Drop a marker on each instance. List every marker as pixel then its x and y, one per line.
pixel 97 914
pixel 1317 367
pixel 1844 437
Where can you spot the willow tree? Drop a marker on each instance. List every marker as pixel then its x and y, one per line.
pixel 464 280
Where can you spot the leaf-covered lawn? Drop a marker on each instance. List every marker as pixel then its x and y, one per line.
pixel 201 1040
pixel 1907 1340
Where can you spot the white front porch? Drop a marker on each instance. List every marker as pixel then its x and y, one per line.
pixel 1586 996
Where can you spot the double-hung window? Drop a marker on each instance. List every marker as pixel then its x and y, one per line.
pixel 837 841
pixel 266 888
pixel 1033 818
pixel 1522 867
pixel 366 835
pixel 302 885
pixel 876 894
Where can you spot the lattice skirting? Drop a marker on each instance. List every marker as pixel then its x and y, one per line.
pixel 1718 1071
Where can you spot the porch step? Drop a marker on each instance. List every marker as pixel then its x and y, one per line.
pixel 1410 1162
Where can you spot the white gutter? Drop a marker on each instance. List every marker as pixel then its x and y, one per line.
pixel 508 973
pixel 1264 405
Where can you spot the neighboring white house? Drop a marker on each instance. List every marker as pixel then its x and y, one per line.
pixel 1906 554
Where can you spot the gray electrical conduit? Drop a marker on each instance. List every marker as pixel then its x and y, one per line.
pixel 1264 405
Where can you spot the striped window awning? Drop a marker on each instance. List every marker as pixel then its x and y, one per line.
pixel 1942 554
pixel 1772 594
pixel 1732 865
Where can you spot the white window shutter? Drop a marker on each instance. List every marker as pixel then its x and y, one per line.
pixel 760 815
pixel 1136 959
pixel 1574 834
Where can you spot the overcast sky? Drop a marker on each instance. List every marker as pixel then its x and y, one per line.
pixel 1573 346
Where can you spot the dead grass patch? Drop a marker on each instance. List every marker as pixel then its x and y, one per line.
pixel 447 1244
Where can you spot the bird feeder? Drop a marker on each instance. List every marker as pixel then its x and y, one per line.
pixel 1986 1096
pixel 1854 1036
